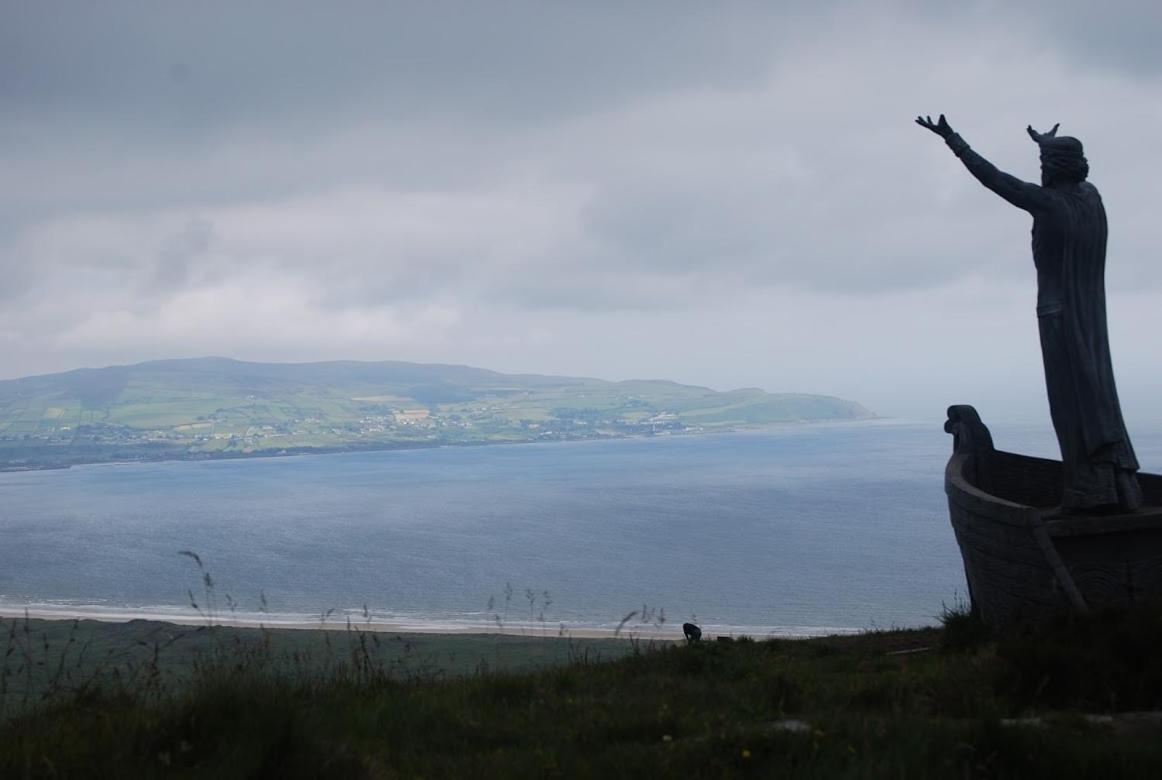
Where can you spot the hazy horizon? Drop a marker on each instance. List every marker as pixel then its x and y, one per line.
pixel 727 196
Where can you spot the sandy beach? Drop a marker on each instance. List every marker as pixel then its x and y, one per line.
pixel 340 622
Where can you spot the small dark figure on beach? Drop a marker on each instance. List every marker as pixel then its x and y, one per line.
pixel 1069 251
pixel 692 632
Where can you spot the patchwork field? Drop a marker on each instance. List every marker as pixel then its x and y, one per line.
pixel 215 407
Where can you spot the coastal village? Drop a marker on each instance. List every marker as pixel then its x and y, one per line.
pixel 240 430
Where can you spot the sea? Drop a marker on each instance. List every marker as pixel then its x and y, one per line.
pixel 787 531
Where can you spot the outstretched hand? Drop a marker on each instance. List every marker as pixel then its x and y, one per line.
pixel 940 126
pixel 1038 137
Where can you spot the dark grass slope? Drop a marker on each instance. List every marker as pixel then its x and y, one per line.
pixel 1045 703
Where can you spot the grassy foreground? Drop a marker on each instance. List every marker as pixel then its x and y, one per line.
pixel 1070 700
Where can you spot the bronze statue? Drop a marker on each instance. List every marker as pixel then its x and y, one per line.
pixel 1069 249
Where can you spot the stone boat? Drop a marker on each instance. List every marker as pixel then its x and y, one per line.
pixel 1023 557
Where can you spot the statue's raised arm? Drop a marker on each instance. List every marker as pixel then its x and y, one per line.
pixel 1022 194
pixel 1040 138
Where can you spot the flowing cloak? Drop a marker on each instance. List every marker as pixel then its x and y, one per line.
pixel 1069 247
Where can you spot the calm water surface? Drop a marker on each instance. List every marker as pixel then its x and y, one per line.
pixel 791 529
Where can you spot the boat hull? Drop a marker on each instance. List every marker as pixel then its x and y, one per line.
pixel 1025 560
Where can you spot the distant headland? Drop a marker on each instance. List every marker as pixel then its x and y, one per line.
pixel 221 408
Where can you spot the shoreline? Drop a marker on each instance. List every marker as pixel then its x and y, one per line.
pixel 333 623
pixel 336 622
pixel 352 448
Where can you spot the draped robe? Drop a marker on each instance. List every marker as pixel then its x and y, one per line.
pixel 1069 247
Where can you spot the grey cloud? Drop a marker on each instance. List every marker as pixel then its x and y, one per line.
pixel 1118 36
pixel 179 252
pixel 300 180
pixel 1123 36
pixel 184 66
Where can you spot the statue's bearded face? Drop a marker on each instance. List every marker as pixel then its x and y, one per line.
pixel 1062 162
pixel 1052 174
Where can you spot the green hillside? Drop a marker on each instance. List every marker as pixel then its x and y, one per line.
pixel 217 407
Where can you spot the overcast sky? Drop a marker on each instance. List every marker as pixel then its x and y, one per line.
pixel 725 194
